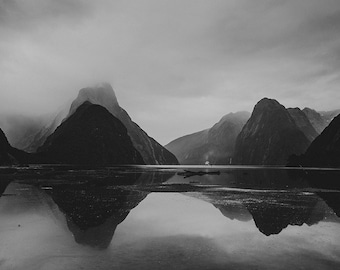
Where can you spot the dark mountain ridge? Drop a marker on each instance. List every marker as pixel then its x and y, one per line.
pixel 324 150
pixel 269 137
pixel 10 155
pixel 91 135
pixel 32 134
pixel 151 151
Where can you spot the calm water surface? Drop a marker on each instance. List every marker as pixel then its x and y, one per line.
pixel 169 218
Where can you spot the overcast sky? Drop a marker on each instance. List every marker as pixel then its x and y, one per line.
pixel 176 66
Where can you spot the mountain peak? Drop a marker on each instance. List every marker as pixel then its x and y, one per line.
pixel 270 136
pixel 103 95
pixel 100 94
pixel 92 135
pixel 307 109
pixel 101 89
pixel 267 104
pixel 234 116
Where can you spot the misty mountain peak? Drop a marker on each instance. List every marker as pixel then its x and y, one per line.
pixel 92 135
pixel 100 94
pixel 98 91
pixel 235 116
pixel 215 144
pixel 103 95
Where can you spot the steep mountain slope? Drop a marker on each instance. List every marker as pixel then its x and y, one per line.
pixel 215 145
pixel 328 116
pixel 269 137
pixel 38 138
pixel 5 157
pixel 325 149
pixel 151 151
pixel 92 135
pixel 315 118
pixel 19 129
pixel 28 132
pixel 184 147
pixel 303 123
pixel 10 155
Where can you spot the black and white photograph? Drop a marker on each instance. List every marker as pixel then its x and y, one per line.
pixel 169 134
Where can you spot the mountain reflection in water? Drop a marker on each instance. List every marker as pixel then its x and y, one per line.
pixel 95 201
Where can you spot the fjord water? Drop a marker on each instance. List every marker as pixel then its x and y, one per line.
pixel 149 217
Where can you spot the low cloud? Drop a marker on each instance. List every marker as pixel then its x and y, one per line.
pixel 183 62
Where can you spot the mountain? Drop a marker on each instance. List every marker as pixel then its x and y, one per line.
pixel 303 123
pixel 20 129
pixel 91 135
pixel 10 155
pixel 215 144
pixel 37 139
pixel 329 115
pixel 325 149
pixel 103 94
pixel 269 137
pixel 182 146
pixel 28 133
pixel 315 118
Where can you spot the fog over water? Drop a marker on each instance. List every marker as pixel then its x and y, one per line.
pixel 176 66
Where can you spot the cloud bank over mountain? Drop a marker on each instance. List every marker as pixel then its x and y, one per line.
pixel 166 59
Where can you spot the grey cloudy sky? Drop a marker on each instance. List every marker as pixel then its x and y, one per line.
pixel 177 66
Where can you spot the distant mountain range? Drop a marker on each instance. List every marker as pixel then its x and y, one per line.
pixel 95 124
pixel 269 137
pixel 215 145
pixel 151 151
pixel 49 138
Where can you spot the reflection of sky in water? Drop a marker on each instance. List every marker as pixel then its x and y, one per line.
pixel 165 231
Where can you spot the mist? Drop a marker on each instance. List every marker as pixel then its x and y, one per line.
pixel 176 66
